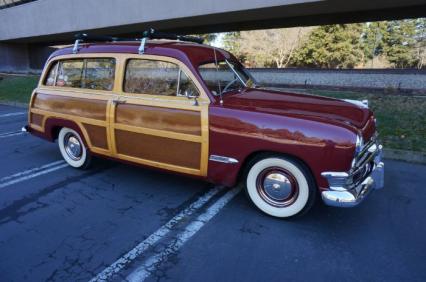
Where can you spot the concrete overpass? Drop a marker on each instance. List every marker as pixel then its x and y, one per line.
pixel 26 29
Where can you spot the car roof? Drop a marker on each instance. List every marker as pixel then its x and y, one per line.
pixel 192 53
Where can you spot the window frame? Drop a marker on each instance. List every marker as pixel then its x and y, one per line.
pixel 121 59
pixel 159 59
pixel 84 59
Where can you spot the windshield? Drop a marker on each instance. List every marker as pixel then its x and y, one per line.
pixel 225 76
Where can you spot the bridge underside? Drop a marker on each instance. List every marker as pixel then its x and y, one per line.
pixel 25 29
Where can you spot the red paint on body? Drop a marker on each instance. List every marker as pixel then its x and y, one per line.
pixel 318 131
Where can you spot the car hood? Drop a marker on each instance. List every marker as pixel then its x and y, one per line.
pixel 303 106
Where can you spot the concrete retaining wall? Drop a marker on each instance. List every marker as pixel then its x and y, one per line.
pixel 412 81
pixel 14 58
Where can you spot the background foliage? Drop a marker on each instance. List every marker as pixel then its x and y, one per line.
pixel 395 44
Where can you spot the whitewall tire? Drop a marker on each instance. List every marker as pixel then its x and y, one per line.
pixel 280 187
pixel 73 149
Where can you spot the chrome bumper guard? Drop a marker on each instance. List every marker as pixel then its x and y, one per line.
pixel 342 194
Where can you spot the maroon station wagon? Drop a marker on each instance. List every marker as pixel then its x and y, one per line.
pixel 185 107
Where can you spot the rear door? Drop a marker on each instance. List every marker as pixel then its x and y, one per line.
pixel 77 89
pixel 161 118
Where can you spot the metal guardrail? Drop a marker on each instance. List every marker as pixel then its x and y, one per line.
pixel 4 4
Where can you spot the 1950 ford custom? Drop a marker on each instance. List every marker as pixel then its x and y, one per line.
pixel 193 109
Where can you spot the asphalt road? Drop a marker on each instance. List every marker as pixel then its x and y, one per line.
pixel 119 222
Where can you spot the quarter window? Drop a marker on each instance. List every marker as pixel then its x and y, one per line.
pixel 70 73
pixel 50 79
pixel 157 78
pixel 84 73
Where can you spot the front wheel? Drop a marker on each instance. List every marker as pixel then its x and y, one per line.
pixel 73 149
pixel 280 187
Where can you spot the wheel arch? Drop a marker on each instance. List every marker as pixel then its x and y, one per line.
pixel 249 161
pixel 54 125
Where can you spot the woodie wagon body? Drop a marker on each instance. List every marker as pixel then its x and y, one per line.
pixel 193 109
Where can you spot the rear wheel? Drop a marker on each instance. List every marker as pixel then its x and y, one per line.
pixel 73 149
pixel 280 187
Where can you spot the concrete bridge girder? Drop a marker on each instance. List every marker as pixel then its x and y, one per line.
pixel 26 28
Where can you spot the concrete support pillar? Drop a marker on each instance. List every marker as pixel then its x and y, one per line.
pixel 23 58
pixel 14 58
pixel 38 55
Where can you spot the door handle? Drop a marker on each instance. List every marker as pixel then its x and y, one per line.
pixel 118 101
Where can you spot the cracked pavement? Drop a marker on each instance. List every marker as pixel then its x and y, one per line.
pixel 68 225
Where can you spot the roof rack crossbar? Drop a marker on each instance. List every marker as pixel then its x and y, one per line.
pixel 152 34
pixel 148 34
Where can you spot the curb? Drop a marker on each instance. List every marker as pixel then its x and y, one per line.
pixel 406 156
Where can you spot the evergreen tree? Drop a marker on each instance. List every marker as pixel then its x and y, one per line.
pixel 420 48
pixel 332 46
pixel 400 42
pixel 372 40
pixel 231 42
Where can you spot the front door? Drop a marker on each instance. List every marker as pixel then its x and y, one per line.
pixel 157 121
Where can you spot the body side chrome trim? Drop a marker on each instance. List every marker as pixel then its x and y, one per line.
pixel 222 159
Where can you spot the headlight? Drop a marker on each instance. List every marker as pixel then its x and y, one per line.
pixel 359 144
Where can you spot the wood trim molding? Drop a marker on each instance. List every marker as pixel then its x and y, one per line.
pixel 180 103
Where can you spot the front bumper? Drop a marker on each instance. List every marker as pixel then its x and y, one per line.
pixel 342 196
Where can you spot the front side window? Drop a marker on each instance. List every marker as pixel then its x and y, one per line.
pixel 187 87
pixel 157 78
pixel 225 76
pixel 96 73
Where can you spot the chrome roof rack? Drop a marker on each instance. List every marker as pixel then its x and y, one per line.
pixel 84 37
pixel 148 34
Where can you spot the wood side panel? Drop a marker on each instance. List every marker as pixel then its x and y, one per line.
pixel 37 119
pixel 159 149
pixel 176 120
pixel 89 108
pixel 97 135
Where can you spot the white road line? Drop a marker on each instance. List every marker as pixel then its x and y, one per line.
pixel 13 114
pixel 149 266
pixel 155 237
pixel 31 173
pixel 10 134
pixel 32 170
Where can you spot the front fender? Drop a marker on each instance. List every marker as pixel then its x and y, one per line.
pixel 240 134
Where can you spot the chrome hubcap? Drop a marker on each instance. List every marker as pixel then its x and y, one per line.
pixel 73 147
pixel 277 187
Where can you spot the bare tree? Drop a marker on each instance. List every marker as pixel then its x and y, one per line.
pixel 273 46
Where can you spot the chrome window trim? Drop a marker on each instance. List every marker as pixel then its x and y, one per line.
pixel 235 72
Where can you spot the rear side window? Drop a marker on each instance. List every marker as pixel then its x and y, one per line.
pixel 99 74
pixel 96 73
pixel 70 73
